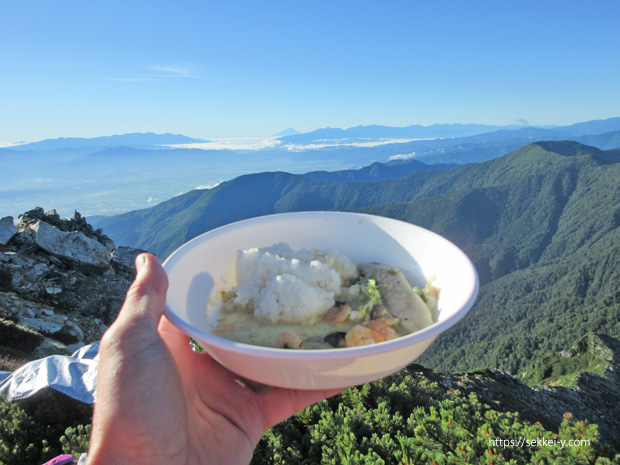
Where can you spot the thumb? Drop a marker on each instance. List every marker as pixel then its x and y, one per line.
pixel 146 297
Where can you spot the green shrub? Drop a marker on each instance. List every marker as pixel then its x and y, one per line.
pixel 32 430
pixel 21 440
pixel 18 337
pixel 404 419
pixel 407 419
pixel 75 440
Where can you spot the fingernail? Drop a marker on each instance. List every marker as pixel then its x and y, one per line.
pixel 141 261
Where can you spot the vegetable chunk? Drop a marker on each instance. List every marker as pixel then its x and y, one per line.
pixel 398 296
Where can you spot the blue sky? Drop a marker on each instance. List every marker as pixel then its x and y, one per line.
pixel 244 68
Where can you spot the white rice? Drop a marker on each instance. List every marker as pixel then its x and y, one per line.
pixel 293 287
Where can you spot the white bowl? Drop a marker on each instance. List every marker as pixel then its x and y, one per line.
pixel 202 267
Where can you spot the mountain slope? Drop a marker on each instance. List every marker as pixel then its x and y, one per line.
pixel 375 172
pixel 163 228
pixel 504 212
pixel 547 247
pixel 542 225
pixel 605 141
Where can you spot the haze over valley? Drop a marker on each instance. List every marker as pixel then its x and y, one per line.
pixel 114 174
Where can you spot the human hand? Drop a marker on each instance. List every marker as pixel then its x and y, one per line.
pixel 160 402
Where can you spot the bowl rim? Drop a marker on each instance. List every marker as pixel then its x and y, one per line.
pixel 203 336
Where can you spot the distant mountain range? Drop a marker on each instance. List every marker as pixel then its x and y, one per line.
pixel 542 225
pixel 115 174
pixel 287 132
pixel 136 140
pixel 370 132
pixel 445 131
pixel 415 131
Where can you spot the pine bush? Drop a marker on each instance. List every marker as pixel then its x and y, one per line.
pixel 75 440
pixel 406 420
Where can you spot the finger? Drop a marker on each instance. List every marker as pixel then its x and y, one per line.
pixel 279 404
pixel 146 297
pixel 176 340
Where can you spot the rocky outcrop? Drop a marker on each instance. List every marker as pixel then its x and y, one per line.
pixel 7 230
pixel 61 278
pixel 73 247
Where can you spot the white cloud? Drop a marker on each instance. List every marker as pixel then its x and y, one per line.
pixel 233 143
pixel 208 186
pixel 345 143
pixel 160 73
pixel 258 143
pixel 130 79
pixel 174 71
pixel 402 156
pixel 10 144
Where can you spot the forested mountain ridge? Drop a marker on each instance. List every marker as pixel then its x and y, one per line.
pixel 163 228
pixel 375 171
pixel 542 225
pixel 505 212
pixel 553 264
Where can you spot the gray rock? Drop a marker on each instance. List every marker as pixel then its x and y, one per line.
pixel 57 319
pixel 27 312
pixel 18 261
pixel 75 347
pixel 53 290
pixel 7 230
pixel 124 258
pixel 39 325
pixel 73 330
pixel 74 247
pixel 50 347
pixel 30 217
pixel 39 269
pixel 16 279
pixel 52 216
pixel 48 286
